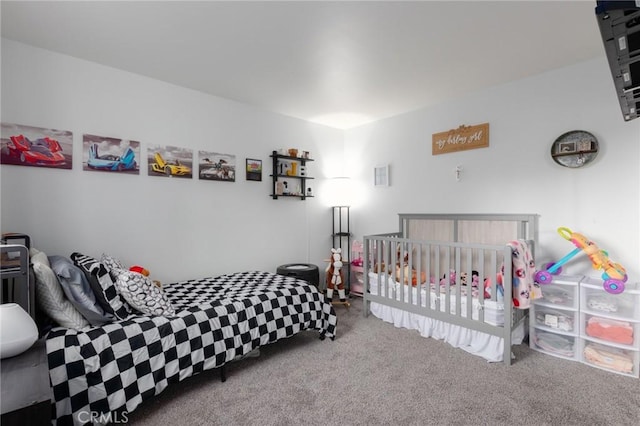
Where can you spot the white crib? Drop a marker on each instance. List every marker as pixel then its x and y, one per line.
pixel 422 277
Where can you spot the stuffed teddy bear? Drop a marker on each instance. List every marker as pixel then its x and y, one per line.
pixel 402 269
pixel 335 276
pixel 380 268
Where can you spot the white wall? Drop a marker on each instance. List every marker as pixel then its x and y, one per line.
pixel 515 174
pixel 177 228
pixel 182 229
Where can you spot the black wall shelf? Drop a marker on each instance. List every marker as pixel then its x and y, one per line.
pixel 281 178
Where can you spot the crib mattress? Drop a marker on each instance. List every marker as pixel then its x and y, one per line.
pixel 493 310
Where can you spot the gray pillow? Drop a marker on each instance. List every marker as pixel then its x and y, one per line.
pixel 78 290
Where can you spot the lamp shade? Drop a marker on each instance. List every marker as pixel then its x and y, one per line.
pixel 18 331
pixel 339 189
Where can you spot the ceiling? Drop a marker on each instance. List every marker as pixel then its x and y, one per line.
pixel 341 64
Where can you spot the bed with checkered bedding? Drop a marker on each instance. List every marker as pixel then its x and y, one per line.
pixel 113 368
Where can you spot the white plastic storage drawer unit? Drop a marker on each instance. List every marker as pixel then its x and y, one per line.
pixel 610 327
pixel 554 320
pixel 559 345
pixel 562 292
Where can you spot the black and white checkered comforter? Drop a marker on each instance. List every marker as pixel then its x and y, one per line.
pixel 115 367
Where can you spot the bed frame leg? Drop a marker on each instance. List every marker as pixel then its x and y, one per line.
pixel 223 373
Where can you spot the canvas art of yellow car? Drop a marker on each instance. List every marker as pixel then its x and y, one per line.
pixel 169 168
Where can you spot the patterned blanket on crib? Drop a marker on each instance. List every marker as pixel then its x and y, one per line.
pixel 525 289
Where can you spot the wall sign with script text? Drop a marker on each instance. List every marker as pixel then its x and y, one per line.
pixel 460 139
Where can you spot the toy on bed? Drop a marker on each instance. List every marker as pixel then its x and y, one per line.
pixel 451 278
pixel 614 275
pixel 474 283
pixel 145 272
pixel 335 277
pixel 402 270
pixel 475 278
pixel 525 289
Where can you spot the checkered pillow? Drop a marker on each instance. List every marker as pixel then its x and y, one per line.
pixel 142 294
pixel 76 287
pixel 102 285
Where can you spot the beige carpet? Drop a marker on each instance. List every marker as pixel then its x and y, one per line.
pixel 376 374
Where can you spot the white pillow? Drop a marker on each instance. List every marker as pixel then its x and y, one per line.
pixel 38 256
pixel 142 294
pixel 111 262
pixel 50 297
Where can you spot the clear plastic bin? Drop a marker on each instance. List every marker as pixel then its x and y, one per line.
pixel 553 344
pixel 561 292
pixel 611 358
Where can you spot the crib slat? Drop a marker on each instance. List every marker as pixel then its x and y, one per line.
pixel 408 272
pixel 387 267
pixel 419 274
pixel 469 272
pixel 437 295
pixel 428 274
pixel 508 305
pixel 458 285
pixel 481 277
pixel 378 261
pixel 447 284
pixel 494 277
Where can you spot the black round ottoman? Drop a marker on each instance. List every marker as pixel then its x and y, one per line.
pixel 302 271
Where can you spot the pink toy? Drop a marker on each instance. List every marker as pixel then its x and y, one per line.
pixel 452 278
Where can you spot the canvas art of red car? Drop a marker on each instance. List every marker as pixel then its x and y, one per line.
pixel 39 152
